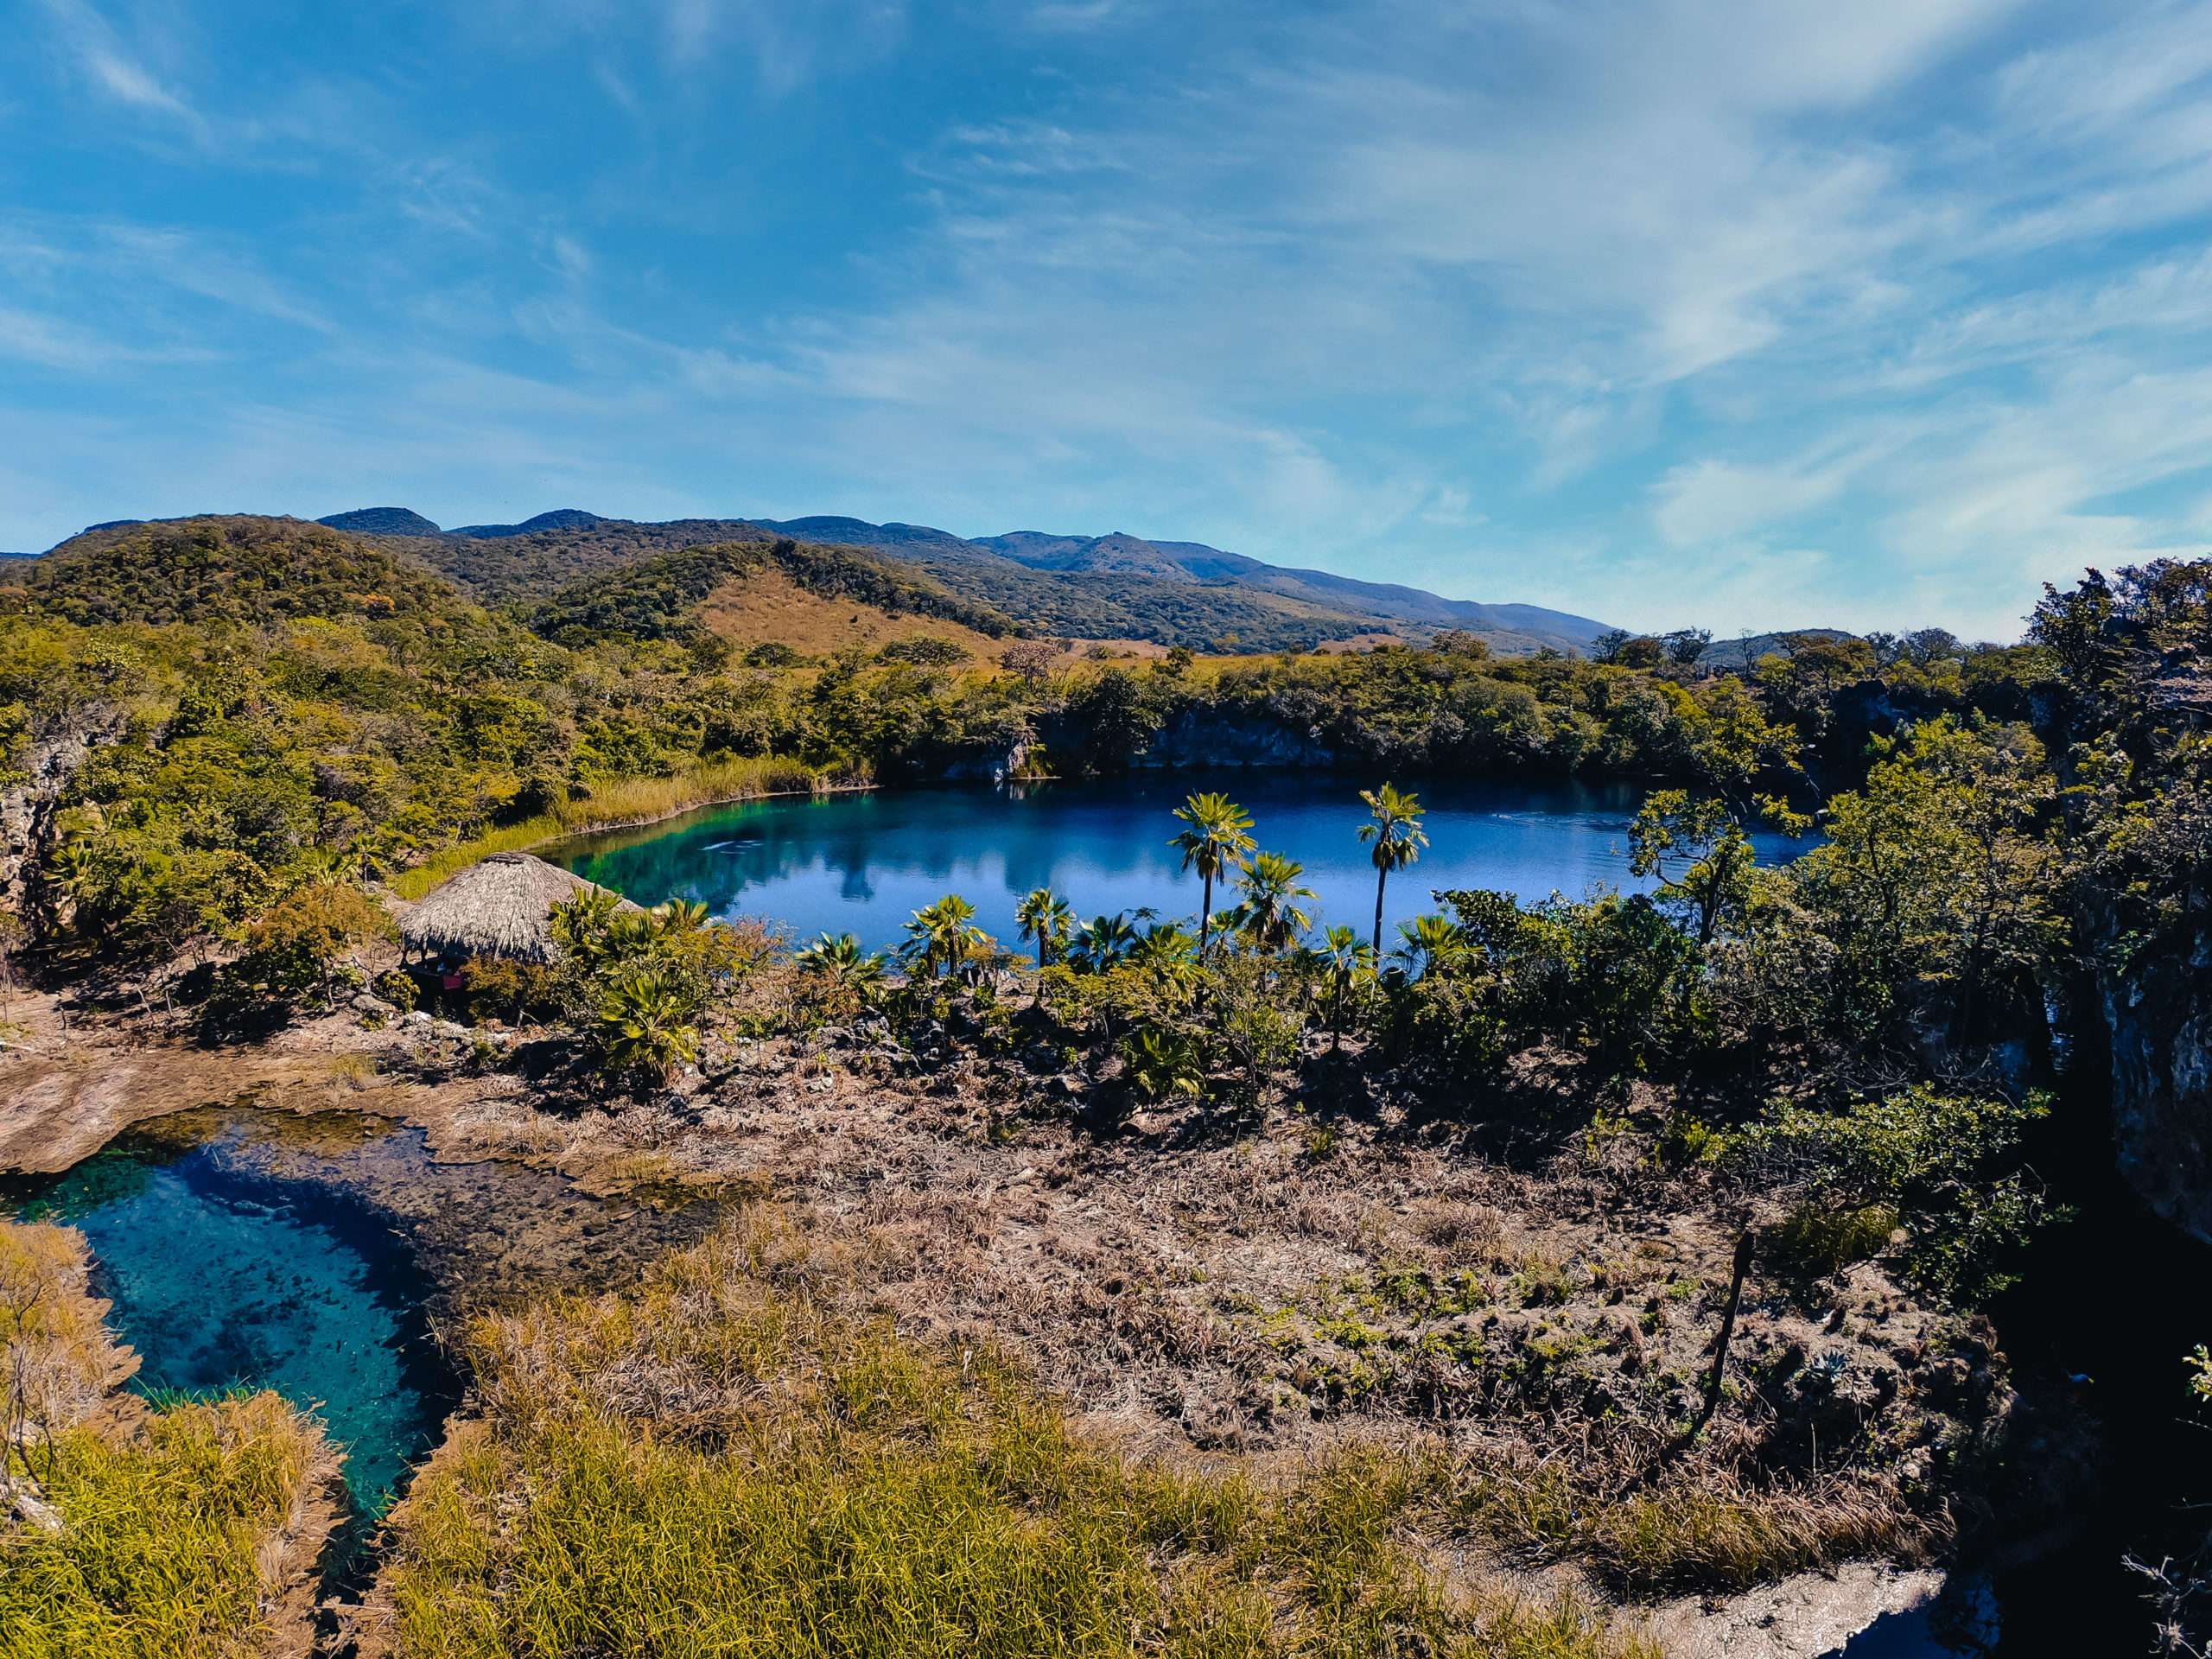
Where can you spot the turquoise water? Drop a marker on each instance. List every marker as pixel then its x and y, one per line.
pixel 863 862
pixel 223 1273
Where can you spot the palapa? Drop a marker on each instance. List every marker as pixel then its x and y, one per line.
pixel 501 907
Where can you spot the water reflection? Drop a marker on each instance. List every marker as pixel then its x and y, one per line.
pixel 863 862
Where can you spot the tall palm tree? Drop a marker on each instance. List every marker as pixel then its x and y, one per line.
pixel 1219 835
pixel 1045 918
pixel 1394 827
pixel 1270 914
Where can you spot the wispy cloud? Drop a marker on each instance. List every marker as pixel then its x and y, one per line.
pixel 111 64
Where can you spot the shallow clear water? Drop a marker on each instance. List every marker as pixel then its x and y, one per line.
pixel 224 1272
pixel 863 863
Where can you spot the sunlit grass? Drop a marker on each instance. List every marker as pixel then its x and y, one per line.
pixel 165 1552
pixel 719 1465
pixel 631 800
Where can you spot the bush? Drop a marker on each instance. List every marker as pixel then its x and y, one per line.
pixel 395 988
pixel 1932 1160
pixel 926 651
pixel 1824 1238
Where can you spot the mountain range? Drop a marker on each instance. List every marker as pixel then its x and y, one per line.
pixel 1115 585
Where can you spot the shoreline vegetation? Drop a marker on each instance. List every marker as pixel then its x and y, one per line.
pixel 1215 1285
pixel 628 804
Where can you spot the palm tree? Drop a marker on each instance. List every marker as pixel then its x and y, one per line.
pixel 939 937
pixel 843 960
pixel 1102 941
pixel 1396 831
pixel 1349 964
pixel 645 1021
pixel 1167 1064
pixel 1429 940
pixel 1270 915
pixel 1046 918
pixel 1161 945
pixel 1219 834
pixel 678 916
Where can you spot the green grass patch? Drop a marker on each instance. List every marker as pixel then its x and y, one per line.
pixel 158 1557
pixel 1826 1237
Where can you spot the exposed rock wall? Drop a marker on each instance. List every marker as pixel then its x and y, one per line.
pixel 2158 1016
pixel 1211 739
pixel 27 809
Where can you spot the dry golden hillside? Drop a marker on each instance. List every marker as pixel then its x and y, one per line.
pixel 767 605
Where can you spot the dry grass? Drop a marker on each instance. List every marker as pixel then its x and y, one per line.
pixel 767 605
pixel 1696 1526
pixel 724 1464
pixel 172 1540
pixel 59 1363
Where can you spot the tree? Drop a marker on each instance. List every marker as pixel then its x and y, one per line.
pixel 1270 916
pixel 1685 646
pixel 844 960
pixel 1701 837
pixel 1219 834
pixel 1429 942
pixel 1397 839
pixel 1348 966
pixel 1167 1064
pixel 298 941
pixel 940 937
pixel 646 1020
pixel 1044 918
pixel 1101 942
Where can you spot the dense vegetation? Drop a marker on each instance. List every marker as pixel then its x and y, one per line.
pixel 1086 605
pixel 1847 1051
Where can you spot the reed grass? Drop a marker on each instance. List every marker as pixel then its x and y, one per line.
pixel 1699 1527
pixel 630 800
pixel 165 1552
pixel 719 1464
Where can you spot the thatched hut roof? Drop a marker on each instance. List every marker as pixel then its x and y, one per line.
pixel 498 908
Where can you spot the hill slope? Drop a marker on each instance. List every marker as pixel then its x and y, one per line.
pixel 659 597
pixel 1099 587
pixel 231 568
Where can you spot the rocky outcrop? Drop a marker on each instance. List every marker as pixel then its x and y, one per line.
pixel 1197 738
pixel 26 808
pixel 2158 1016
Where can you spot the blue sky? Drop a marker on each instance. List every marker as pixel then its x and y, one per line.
pixel 1750 316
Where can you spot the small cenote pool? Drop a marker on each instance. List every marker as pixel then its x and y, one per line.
pixel 235 1255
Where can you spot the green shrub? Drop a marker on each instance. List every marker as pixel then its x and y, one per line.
pixel 1824 1238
